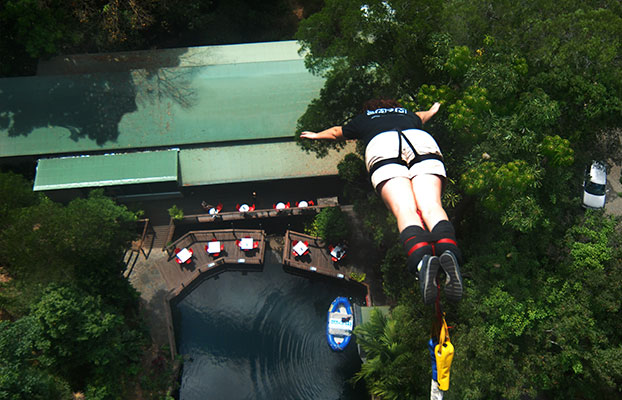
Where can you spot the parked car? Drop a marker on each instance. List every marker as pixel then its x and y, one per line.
pixel 595 185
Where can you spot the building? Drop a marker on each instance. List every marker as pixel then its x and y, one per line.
pixel 147 124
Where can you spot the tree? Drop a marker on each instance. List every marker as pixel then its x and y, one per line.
pixel 392 369
pixel 15 192
pixel 82 242
pixel 523 86
pixel 33 29
pixel 82 339
pixel 331 224
pixel 68 337
pixel 21 376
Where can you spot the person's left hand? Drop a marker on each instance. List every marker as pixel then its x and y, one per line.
pixel 435 107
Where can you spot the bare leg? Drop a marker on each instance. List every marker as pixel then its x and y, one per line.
pixel 427 192
pixel 398 195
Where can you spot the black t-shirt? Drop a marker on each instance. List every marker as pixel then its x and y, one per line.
pixel 366 126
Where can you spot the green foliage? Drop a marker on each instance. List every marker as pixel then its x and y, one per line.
pixel 396 279
pixel 465 115
pixel 429 94
pixel 331 224
pixel 20 374
pixel 82 339
pixel 353 172
pixel 509 317
pixel 69 337
pixel 40 26
pixel 391 370
pixel 82 242
pixel 458 62
pixel 524 88
pixel 176 213
pixel 377 220
pixel 537 111
pixel 158 379
pixel 524 215
pixel 583 338
pixel 352 169
pixel 557 151
pixel 358 276
pixel 500 186
pixel 34 29
pixel 15 192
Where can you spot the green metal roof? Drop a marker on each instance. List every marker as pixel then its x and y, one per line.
pixel 106 170
pixel 201 95
pixel 254 162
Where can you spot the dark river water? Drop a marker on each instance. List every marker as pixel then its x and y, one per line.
pixel 261 335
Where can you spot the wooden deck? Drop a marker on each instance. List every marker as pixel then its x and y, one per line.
pixel 318 260
pixel 257 214
pixel 217 220
pixel 180 276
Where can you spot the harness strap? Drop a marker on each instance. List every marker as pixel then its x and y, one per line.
pixel 399 160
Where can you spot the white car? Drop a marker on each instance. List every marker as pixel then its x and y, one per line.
pixel 595 186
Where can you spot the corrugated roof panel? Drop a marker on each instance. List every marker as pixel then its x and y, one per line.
pixel 254 162
pixel 106 170
pixel 242 97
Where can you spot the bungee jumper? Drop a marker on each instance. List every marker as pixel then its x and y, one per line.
pixel 406 168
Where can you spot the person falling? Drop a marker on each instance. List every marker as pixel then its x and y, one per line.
pixel 406 168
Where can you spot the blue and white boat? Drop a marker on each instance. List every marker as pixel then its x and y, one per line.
pixel 340 324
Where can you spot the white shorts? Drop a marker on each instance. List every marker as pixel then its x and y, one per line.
pixel 386 145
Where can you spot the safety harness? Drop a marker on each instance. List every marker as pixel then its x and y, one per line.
pixel 441 352
pixel 399 160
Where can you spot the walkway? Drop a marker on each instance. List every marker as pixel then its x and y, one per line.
pixel 613 205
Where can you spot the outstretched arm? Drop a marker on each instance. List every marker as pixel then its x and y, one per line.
pixel 334 133
pixel 426 115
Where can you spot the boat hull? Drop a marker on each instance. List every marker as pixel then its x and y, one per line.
pixel 339 324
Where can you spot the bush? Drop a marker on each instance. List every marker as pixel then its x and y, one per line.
pixel 331 224
pixel 175 212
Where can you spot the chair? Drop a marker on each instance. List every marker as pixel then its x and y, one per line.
pixel 177 250
pixel 188 261
pixel 281 206
pixel 250 207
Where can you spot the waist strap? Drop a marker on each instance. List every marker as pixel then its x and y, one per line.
pixel 399 160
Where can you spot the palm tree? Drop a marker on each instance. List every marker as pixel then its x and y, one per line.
pixel 388 367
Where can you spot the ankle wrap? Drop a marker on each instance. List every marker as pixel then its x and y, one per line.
pixel 417 243
pixel 444 238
